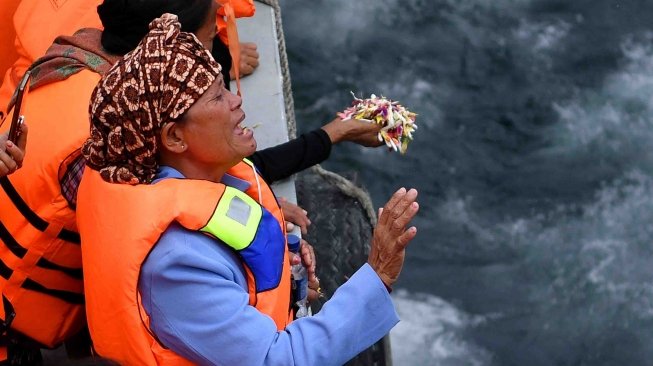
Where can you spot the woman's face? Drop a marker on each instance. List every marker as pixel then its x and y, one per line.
pixel 212 130
pixel 207 31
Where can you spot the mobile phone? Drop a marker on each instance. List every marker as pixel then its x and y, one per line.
pixel 18 118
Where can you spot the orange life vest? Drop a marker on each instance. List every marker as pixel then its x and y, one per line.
pixel 40 258
pixel 7 35
pixel 28 39
pixel 32 39
pixel 120 224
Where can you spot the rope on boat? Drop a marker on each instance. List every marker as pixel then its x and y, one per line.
pixel 345 185
pixel 350 189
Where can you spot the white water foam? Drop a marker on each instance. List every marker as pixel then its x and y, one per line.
pixel 458 211
pixel 544 35
pixel 604 250
pixel 431 333
pixel 600 246
pixel 617 247
pixel 620 113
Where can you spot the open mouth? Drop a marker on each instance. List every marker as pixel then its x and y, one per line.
pixel 245 130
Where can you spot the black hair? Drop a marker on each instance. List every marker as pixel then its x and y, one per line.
pixel 126 21
pixel 221 54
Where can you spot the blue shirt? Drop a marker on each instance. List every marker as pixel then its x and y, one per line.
pixel 195 291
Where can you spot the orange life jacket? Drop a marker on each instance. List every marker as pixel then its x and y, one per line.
pixel 40 259
pixel 32 38
pixel 120 224
pixel 40 264
pixel 7 35
pixel 28 39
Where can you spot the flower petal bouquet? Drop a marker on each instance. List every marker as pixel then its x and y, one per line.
pixel 398 122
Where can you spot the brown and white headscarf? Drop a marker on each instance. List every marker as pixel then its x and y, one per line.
pixel 154 84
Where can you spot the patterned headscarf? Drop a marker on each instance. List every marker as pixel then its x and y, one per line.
pixel 154 84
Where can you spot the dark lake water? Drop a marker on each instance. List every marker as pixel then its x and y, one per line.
pixel 533 160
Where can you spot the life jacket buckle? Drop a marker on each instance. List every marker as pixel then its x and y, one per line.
pixel 10 314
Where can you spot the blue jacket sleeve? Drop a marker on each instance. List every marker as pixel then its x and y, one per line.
pixel 194 290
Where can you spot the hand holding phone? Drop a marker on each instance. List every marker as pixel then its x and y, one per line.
pixel 12 153
pixel 18 118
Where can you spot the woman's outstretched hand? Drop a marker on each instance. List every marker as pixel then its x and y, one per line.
pixel 360 132
pixel 391 236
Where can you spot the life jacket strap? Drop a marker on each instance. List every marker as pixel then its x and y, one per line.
pixel 232 36
pixel 33 218
pixel 17 349
pixel 18 279
pixel 7 317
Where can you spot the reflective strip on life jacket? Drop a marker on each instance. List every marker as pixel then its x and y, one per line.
pixel 235 220
pixel 241 223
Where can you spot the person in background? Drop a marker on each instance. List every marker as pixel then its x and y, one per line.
pixel 45 299
pixel 185 257
pixel 24 39
pixel 12 154
pixel 7 36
